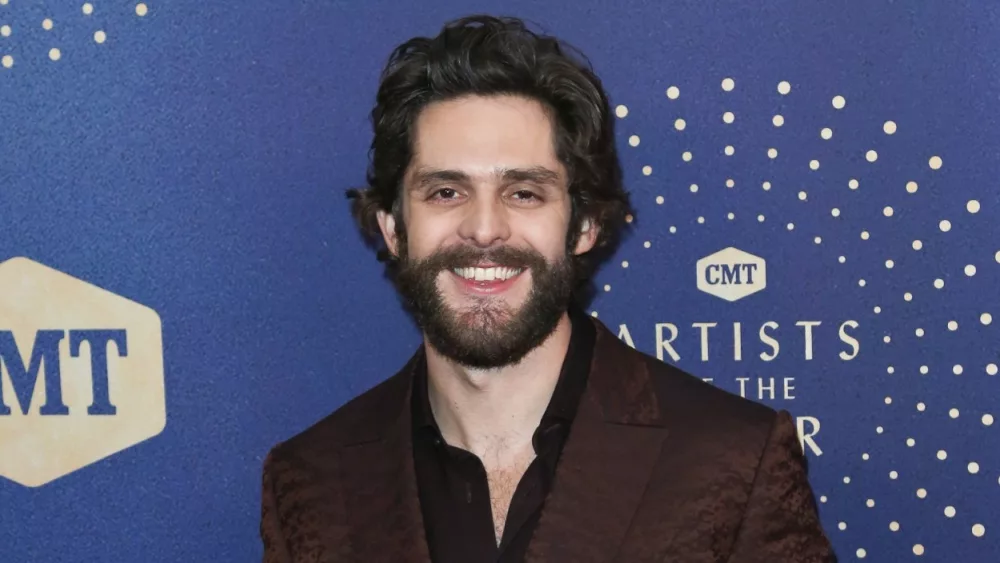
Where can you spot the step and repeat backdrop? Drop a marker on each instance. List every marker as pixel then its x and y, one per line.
pixel 817 188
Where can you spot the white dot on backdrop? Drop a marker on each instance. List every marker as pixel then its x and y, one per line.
pixel 910 442
pixel 952 325
pixel 978 530
pixel 839 102
pixel 870 503
pixel 934 162
pixel 924 370
pixel 7 61
pixel 949 511
pixel 760 218
pixel 892 474
pixel 917 245
pixel 826 133
pixel 918 549
pixel 942 455
pixel 767 186
pixel 921 493
pixel 141 9
pixel 624 263
pixel 953 413
pixel 46 24
pixel 88 9
pixel 862 284
pixel 887 211
pixel 871 156
pixel 728 117
pixel 100 36
pixel 944 225
pixel 673 229
pixel 728 84
pixel 997 256
pixel 888 400
pixel 791 226
pixel 973 206
pixel 878 430
pixel 647 170
pixel 843 259
pixel 818 240
pixel 987 420
pixel 894 526
pixel 911 187
pixel 814 165
pixel 842 526
pixel 55 54
pixel 680 124
pixel 957 369
pixel 865 456
pixel 835 212
pixel 607 287
pixel 730 183
pixel 686 156
pixel 889 127
pixel 822 498
pixel 991 369
pixel 973 467
pixel 701 220
pixel 865 235
pixel 772 153
pixel 730 216
pixel 921 407
pixel 694 188
pixel 847 480
pixel 939 283
pixel 730 150
pixel 778 120
pixel 861 553
pixel 803 196
pixel 673 92
pixel 621 111
pixel 647 244
pixel 593 314
pixel 970 270
pixel 907 296
pixel 784 87
pixel 889 264
pixel 5 30
pixel 634 140
pixel 877 309
pixel 659 200
pixel 853 184
pixel 986 318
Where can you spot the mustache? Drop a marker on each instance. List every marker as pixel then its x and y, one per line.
pixel 468 256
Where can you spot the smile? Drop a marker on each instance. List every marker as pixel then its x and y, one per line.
pixel 487 274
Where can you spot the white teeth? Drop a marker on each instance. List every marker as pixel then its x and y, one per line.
pixel 487 274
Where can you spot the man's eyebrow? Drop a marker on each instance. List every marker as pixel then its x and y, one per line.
pixel 535 174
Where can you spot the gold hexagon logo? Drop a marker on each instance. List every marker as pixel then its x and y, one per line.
pixel 731 274
pixel 81 373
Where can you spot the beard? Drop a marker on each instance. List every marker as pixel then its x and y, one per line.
pixel 487 333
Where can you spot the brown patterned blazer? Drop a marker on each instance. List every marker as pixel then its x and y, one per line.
pixel 658 466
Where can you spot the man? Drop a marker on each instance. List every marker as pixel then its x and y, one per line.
pixel 522 429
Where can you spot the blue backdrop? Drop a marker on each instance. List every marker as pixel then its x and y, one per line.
pixel 192 157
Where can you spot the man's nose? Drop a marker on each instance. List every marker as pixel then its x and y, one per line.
pixel 486 222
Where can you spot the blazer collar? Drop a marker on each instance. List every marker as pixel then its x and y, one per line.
pixel 613 444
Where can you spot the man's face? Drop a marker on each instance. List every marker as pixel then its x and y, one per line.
pixel 484 266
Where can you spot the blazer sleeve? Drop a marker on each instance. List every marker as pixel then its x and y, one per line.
pixel 781 522
pixel 271 534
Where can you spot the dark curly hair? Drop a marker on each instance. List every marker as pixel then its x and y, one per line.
pixel 487 56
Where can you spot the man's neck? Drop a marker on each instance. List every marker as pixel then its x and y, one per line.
pixel 494 413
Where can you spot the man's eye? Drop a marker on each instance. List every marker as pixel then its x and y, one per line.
pixel 525 195
pixel 444 193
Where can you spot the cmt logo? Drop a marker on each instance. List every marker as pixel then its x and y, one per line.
pixel 731 274
pixel 81 373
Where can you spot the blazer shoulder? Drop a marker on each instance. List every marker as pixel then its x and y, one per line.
pixel 358 420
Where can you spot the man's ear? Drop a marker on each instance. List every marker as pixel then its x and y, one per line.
pixel 387 224
pixel 588 236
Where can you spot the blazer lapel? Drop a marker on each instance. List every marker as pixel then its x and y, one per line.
pixel 606 462
pixel 380 484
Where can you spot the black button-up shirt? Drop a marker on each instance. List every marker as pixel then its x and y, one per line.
pixel 452 484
